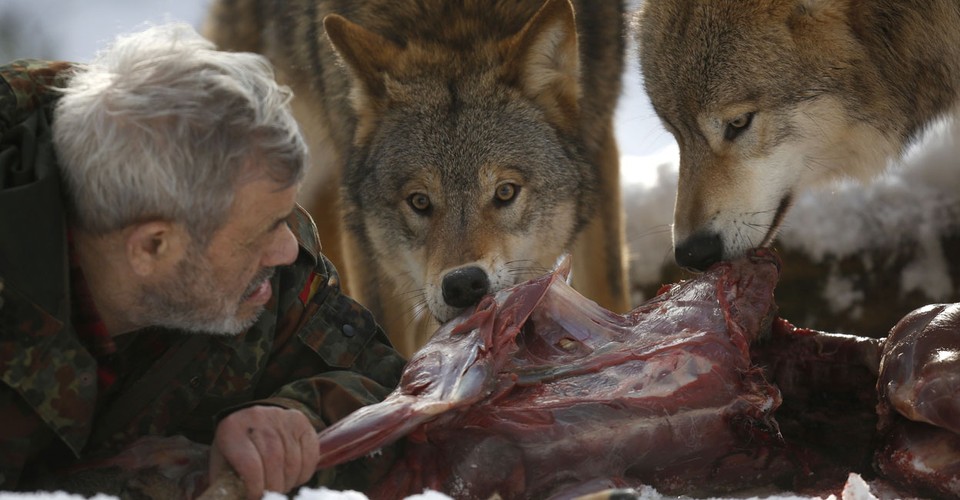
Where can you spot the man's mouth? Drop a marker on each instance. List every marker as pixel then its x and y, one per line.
pixel 259 288
pixel 782 208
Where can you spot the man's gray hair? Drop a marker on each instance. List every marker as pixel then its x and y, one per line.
pixel 163 126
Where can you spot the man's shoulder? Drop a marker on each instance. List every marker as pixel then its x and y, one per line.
pixel 27 84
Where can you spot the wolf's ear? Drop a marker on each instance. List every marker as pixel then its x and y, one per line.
pixel 367 54
pixel 543 61
pixel 817 12
pixel 824 23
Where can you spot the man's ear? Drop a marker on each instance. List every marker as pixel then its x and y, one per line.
pixel 154 246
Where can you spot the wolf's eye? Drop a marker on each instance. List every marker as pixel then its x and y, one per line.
pixel 737 126
pixel 420 202
pixel 505 193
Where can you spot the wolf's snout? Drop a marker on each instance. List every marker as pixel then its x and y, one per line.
pixel 465 286
pixel 699 251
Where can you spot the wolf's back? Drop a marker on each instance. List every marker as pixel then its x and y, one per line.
pixel 234 25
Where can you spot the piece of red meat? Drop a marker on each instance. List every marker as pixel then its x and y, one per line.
pixel 919 408
pixel 540 393
pixel 541 389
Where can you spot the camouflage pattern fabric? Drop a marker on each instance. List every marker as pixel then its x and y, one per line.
pixel 24 88
pixel 314 349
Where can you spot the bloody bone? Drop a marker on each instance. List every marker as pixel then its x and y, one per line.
pixel 540 389
pixel 828 417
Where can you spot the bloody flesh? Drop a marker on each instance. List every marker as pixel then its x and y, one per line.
pixel 541 390
pixel 539 393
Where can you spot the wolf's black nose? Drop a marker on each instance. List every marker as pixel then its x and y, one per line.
pixel 699 251
pixel 465 286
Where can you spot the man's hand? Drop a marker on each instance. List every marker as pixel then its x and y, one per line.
pixel 271 448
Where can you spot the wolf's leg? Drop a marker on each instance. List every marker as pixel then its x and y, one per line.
pixel 599 254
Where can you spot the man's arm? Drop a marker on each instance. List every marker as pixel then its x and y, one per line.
pixel 329 358
pixel 271 448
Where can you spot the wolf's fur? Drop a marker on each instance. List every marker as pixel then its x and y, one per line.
pixel 444 106
pixel 836 88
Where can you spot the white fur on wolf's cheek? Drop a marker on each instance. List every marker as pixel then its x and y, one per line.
pixel 825 146
pixel 833 146
pixel 744 218
pixel 402 266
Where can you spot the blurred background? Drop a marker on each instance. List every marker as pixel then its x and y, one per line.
pixel 75 29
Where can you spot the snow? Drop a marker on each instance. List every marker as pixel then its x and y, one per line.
pixel 53 495
pixel 916 200
pixel 855 489
pixel 649 188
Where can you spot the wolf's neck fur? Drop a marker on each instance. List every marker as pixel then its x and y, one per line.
pixel 913 48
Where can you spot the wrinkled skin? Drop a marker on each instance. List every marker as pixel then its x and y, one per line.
pixel 541 390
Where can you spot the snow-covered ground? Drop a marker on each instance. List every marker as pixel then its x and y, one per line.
pixel 855 489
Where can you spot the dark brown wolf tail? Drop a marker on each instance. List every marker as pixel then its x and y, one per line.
pixel 234 25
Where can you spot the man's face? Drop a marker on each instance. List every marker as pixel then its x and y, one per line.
pixel 224 287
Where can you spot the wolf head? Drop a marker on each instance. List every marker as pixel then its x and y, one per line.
pixel 466 174
pixel 764 98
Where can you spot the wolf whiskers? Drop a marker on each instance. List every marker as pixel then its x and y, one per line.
pixel 519 272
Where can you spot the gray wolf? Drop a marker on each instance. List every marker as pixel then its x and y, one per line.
pixel 467 144
pixel 768 98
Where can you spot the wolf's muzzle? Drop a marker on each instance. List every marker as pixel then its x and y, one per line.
pixel 699 251
pixel 464 286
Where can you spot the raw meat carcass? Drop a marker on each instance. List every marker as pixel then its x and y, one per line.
pixel 541 391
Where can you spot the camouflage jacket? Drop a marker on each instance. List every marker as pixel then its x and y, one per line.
pixel 314 349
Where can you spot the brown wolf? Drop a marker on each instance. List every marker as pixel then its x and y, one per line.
pixel 467 143
pixel 768 97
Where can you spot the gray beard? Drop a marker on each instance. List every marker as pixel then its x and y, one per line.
pixel 191 301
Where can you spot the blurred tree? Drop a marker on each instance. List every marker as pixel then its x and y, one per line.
pixel 22 36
